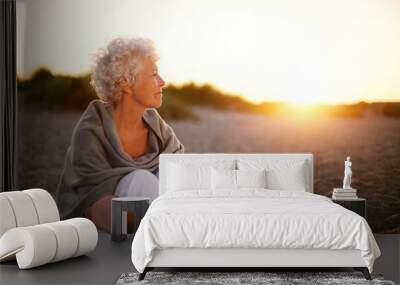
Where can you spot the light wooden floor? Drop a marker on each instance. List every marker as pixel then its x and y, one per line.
pixel 110 260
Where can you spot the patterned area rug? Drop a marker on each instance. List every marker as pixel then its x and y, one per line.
pixel 225 278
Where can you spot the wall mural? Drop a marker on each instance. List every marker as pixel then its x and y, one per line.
pixel 294 87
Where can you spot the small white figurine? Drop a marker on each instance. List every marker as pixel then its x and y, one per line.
pixel 347 174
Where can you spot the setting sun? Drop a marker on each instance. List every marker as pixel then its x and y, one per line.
pixel 304 52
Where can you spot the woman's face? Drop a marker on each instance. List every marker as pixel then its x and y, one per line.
pixel 147 90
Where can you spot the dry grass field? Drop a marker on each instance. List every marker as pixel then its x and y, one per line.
pixel 373 143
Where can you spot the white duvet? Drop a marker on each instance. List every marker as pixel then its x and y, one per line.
pixel 251 218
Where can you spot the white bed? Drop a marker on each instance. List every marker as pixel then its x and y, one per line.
pixel 282 224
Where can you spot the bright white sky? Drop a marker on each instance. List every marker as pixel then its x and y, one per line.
pixel 304 51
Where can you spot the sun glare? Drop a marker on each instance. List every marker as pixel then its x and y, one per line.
pixel 305 52
pixel 267 52
pixel 307 98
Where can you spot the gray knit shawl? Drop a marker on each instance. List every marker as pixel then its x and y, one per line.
pixel 95 160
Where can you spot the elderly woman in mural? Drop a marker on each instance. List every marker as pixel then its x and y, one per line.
pixel 117 141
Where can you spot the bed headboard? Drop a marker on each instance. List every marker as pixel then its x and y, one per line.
pixel 215 157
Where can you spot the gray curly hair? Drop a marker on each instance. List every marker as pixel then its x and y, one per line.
pixel 120 60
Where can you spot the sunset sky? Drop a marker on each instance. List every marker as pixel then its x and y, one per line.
pixel 303 51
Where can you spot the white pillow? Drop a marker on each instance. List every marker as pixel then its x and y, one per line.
pixel 203 161
pixel 226 179
pixel 251 178
pixel 181 177
pixel 292 179
pixel 223 179
pixel 281 174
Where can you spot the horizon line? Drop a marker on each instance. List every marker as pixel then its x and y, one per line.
pixel 216 88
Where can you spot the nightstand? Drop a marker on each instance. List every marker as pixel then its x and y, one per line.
pixel 358 206
pixel 119 208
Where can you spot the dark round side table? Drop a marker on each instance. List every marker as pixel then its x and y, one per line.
pixel 119 208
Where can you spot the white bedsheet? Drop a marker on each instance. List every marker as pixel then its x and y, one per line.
pixel 251 218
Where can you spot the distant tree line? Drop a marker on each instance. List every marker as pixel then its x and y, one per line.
pixel 64 92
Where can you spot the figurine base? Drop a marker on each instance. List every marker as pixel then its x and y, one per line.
pixel 344 189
